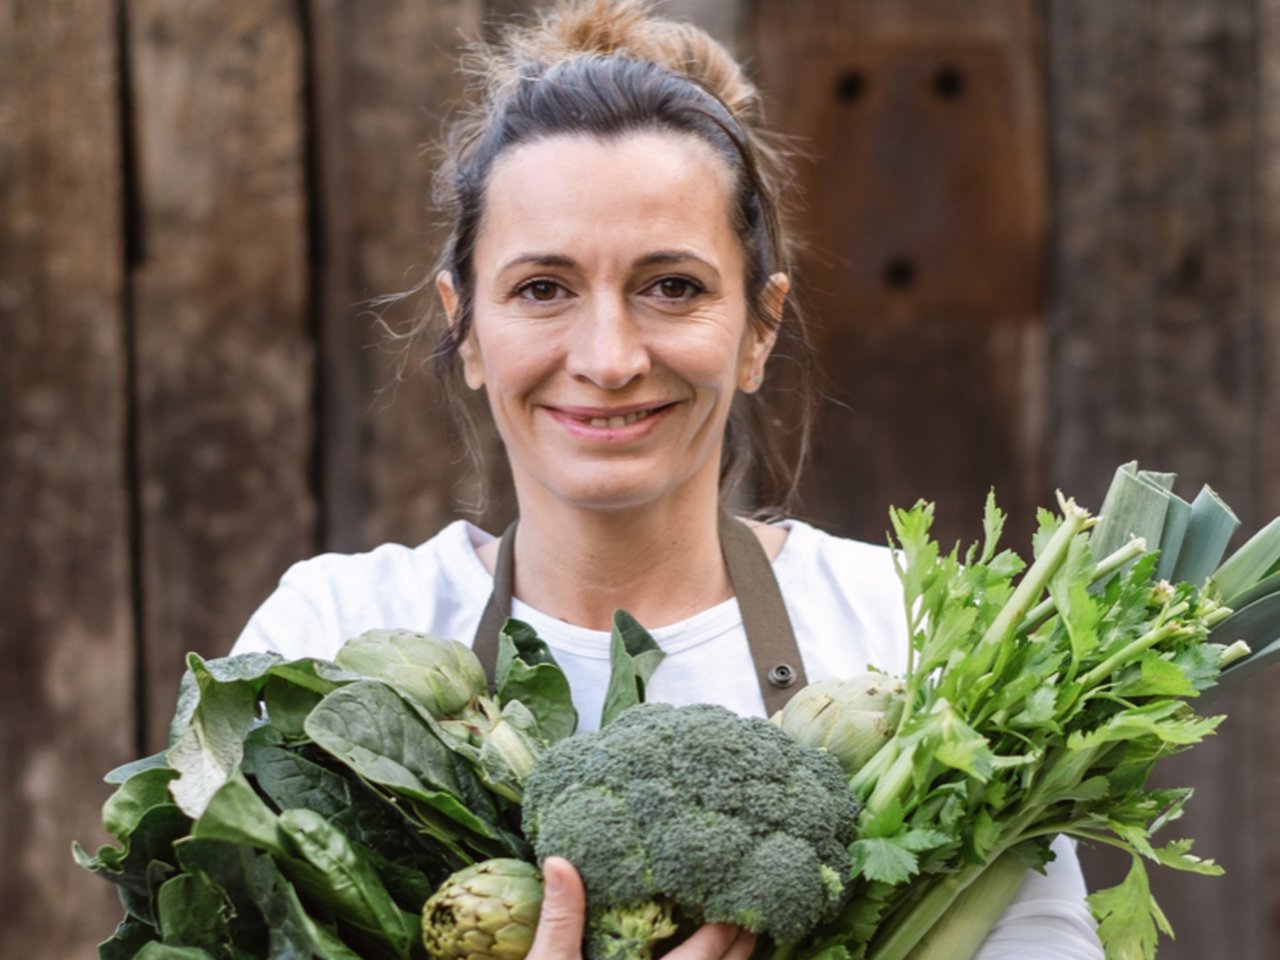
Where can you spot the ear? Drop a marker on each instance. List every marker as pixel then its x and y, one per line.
pixel 472 369
pixel 761 344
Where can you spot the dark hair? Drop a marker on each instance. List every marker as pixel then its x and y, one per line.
pixel 608 93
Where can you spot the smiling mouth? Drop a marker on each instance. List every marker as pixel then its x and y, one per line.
pixel 624 421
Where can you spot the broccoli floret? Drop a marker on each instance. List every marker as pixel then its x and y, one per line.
pixel 677 816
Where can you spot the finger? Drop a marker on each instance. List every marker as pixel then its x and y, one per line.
pixel 564 904
pixel 742 947
pixel 709 943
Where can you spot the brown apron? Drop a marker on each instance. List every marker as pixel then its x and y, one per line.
pixel 779 669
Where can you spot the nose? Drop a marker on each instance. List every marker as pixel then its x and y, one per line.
pixel 606 345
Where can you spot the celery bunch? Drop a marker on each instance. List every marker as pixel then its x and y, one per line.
pixel 1038 701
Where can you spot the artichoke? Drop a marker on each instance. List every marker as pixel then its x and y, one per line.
pixel 488 911
pixel 850 719
pixel 445 676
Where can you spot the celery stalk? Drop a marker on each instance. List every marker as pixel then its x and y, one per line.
pixel 973 913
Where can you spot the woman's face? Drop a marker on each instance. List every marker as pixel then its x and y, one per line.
pixel 610 327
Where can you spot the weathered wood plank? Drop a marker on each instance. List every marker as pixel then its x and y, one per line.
pixel 1266 426
pixel 922 176
pixel 225 380
pixel 67 630
pixel 1154 357
pixel 383 83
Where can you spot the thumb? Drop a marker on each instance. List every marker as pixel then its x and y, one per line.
pixel 564 905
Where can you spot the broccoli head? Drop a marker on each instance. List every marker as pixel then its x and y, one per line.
pixel 677 816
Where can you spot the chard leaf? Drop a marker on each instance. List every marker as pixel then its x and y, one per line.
pixel 633 656
pixel 237 814
pixel 383 832
pixel 367 726
pixel 126 806
pixel 288 704
pixel 168 951
pixel 194 912
pixel 351 888
pixel 293 933
pixel 208 747
pixel 130 936
pixel 120 774
pixel 527 671
pixel 223 863
pixel 1128 917
pixel 144 861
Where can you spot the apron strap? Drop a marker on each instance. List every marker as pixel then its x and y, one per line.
pixel 770 637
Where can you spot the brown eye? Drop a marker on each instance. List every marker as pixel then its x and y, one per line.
pixel 542 290
pixel 677 288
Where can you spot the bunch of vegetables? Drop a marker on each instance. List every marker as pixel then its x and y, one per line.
pixel 1036 703
pixel 390 805
pixel 309 809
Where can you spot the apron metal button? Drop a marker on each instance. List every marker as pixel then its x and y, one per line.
pixel 782 675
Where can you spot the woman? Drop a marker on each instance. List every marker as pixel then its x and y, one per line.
pixel 615 283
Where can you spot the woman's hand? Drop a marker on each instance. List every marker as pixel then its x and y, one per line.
pixel 564 908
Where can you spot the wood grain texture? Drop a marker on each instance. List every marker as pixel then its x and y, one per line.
pixel 66 626
pixel 1266 428
pixel 225 379
pixel 921 174
pixel 1155 337
pixel 384 82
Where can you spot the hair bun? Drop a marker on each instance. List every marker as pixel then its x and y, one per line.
pixel 628 28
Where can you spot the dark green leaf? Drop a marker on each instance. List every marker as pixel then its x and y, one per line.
pixel 294 934
pixel 194 912
pixel 368 727
pixel 130 936
pixel 144 861
pixel 633 656
pixel 237 814
pixel 166 951
pixel 147 788
pixel 123 772
pixel 223 863
pixel 352 889
pixel 288 704
pixel 528 672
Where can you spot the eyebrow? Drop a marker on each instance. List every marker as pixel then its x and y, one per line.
pixel 657 257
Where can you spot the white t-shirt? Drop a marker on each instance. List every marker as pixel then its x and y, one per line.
pixel 843 598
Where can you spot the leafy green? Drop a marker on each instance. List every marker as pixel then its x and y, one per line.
pixel 633 656
pixel 1039 701
pixel 526 671
pixel 307 809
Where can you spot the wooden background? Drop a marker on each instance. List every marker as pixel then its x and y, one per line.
pixel 1043 239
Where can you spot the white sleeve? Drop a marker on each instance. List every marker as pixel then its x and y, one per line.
pixel 1048 919
pixel 292 621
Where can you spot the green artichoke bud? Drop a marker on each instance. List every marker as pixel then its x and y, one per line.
pixel 443 675
pixel 488 911
pixel 502 742
pixel 850 719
